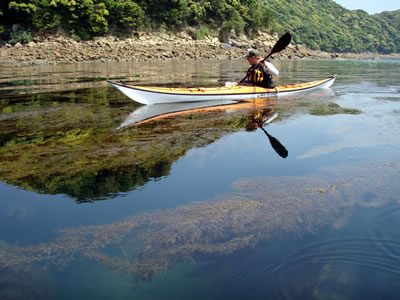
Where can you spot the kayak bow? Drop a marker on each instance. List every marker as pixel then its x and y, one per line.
pixel 155 95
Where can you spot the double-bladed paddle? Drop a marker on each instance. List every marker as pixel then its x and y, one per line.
pixel 278 47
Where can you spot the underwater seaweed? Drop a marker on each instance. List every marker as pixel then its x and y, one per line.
pixel 257 210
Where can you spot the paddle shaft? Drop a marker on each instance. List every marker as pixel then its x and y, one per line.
pixel 279 46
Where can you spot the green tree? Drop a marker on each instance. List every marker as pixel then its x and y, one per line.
pixel 22 12
pixel 85 18
pixel 169 12
pixel 125 14
pixel 198 11
pixel 320 24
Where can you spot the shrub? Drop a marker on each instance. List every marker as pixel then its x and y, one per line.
pixel 202 32
pixel 20 36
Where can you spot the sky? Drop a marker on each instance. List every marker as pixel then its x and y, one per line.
pixel 371 7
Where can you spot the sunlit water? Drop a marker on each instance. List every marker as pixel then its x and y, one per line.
pixel 195 206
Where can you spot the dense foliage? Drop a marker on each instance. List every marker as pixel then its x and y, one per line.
pixel 90 18
pixel 320 24
pixel 326 25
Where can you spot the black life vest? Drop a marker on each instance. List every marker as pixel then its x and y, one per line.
pixel 257 76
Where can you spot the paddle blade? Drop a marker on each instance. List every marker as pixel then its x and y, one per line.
pixel 281 44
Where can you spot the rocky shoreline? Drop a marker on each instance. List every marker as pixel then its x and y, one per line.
pixel 58 48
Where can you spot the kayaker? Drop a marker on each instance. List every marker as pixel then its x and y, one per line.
pixel 261 72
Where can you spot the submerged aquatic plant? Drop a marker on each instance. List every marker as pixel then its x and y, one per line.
pixel 257 210
pixel 332 109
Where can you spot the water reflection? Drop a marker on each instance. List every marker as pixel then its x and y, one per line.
pixel 259 114
pixel 149 113
pixel 64 77
pixel 61 142
pixel 258 120
pixel 258 210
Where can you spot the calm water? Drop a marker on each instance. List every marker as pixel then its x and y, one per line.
pixel 194 206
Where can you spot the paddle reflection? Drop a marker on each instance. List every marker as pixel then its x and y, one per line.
pixel 259 119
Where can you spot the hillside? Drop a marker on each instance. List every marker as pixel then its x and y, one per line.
pixel 325 25
pixel 319 24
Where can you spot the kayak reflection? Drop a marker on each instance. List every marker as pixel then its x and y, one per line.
pixel 260 114
pixel 149 113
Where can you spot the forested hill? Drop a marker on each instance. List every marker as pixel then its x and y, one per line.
pixel 320 24
pixel 325 25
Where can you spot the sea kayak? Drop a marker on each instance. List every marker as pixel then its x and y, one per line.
pixel 156 95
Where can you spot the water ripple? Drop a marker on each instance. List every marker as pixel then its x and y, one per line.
pixel 385 231
pixel 326 261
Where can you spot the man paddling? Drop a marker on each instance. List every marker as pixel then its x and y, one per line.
pixel 261 72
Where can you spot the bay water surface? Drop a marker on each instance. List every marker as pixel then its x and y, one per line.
pixel 194 205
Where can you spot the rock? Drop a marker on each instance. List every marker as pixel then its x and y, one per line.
pixel 236 44
pixel 222 57
pixel 146 46
pixel 226 46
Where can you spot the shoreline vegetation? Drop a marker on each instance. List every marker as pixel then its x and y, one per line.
pixel 59 48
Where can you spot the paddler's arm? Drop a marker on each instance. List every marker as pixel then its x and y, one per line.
pixel 270 68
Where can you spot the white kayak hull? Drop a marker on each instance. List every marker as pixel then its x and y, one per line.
pixel 157 95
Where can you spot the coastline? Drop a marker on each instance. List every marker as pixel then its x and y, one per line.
pixel 58 48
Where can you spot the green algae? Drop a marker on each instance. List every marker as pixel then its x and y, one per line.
pixel 325 109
